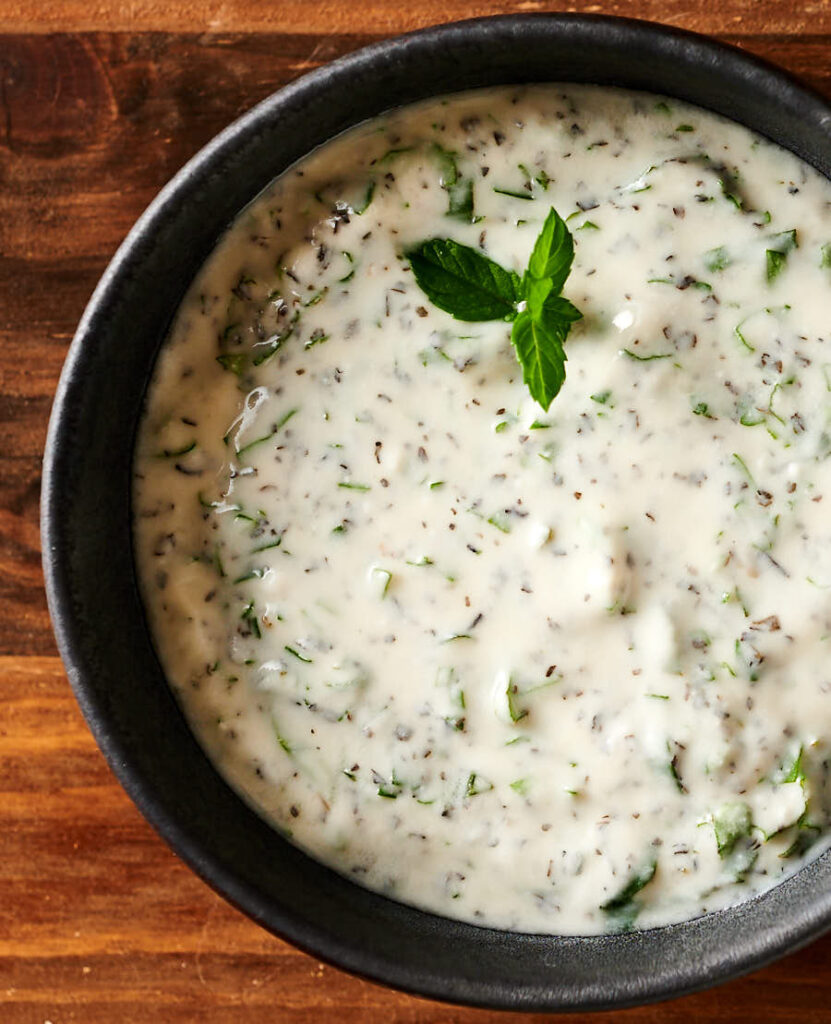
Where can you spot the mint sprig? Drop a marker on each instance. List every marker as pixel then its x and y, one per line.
pixel 471 287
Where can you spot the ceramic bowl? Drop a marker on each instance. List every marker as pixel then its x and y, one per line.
pixel 91 579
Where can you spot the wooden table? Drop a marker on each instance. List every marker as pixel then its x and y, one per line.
pixel 100 103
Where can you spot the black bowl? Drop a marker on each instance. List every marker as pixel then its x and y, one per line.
pixel 88 557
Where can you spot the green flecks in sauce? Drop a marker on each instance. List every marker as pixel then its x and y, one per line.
pixel 497 642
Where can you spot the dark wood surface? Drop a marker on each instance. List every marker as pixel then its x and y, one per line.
pixel 100 103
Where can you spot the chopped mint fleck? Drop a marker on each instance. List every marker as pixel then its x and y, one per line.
pixel 296 654
pixel 477 784
pixel 716 260
pixel 731 823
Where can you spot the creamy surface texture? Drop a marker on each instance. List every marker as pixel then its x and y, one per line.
pixel 559 672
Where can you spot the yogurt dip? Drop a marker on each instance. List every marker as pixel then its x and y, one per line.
pixel 562 672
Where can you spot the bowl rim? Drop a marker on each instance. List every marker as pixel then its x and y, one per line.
pixel 767 936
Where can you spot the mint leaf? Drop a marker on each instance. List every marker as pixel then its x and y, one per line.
pixel 717 259
pixel 561 308
pixel 459 190
pixel 623 908
pixel 553 253
pixel 539 349
pixel 540 330
pixel 448 171
pixel 785 241
pixel 791 770
pixel 513 193
pixel 774 263
pixel 460 201
pixel 776 256
pixel 642 877
pixel 731 822
pixel 805 839
pixel 536 292
pixel 234 363
pixel 367 199
pixel 463 282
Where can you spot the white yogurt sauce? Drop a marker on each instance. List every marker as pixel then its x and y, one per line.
pixel 563 672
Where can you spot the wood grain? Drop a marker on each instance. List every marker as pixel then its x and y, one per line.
pixel 322 18
pixel 100 103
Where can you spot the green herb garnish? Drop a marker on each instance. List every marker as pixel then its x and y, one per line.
pixel 459 190
pixel 645 359
pixel 513 193
pixel 477 784
pixel 792 769
pixel 715 260
pixel 367 199
pixel 774 263
pixel 731 823
pixel 471 287
pixel 623 908
pixel 777 255
pixel 296 654
pixel 249 616
pixel 463 282
pixel 233 363
pixel 641 878
pixel 460 201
